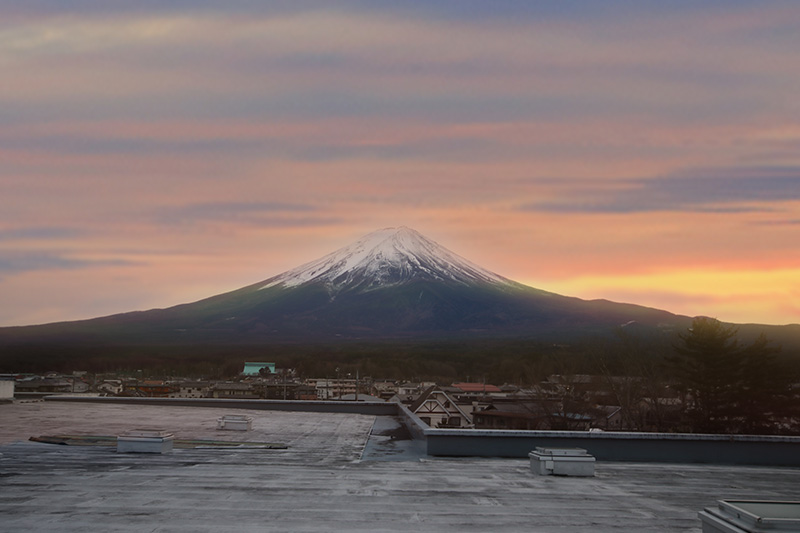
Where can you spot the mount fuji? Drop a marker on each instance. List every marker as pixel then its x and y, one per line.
pixel 391 284
pixel 385 258
pixel 394 293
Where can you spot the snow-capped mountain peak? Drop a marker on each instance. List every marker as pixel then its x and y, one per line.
pixel 390 256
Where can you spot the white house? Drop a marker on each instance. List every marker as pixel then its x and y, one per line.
pixel 192 389
pixel 437 409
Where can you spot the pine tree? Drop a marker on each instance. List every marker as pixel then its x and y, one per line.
pixel 767 400
pixel 730 387
pixel 707 366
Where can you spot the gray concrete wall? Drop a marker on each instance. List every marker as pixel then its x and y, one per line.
pixel 612 446
pixel 415 426
pixel 364 408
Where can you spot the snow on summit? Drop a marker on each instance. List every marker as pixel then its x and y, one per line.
pixel 390 256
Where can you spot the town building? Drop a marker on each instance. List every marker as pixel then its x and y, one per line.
pixel 329 389
pixel 384 389
pixel 238 390
pixel 437 409
pixel 191 389
pixel 285 390
pixel 110 387
pixel 150 388
pixel 512 415
pixel 258 369
pixel 44 385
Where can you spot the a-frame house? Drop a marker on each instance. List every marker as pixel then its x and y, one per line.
pixel 437 409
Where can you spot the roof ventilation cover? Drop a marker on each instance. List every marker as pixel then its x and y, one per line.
pixel 235 422
pixel 145 441
pixel 562 462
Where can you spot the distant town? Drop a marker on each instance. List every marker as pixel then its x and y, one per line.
pixel 560 402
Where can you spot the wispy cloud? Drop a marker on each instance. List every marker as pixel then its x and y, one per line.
pixel 265 214
pixel 37 233
pixel 780 222
pixel 326 62
pixel 15 262
pixel 724 191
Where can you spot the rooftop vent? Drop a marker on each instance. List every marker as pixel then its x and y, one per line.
pixel 145 441
pixel 562 462
pixel 751 516
pixel 235 422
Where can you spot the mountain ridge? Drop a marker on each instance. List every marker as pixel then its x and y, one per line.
pixel 390 284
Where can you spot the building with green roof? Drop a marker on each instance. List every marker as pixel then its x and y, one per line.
pixel 254 369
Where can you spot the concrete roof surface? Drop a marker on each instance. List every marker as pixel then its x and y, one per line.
pixel 340 472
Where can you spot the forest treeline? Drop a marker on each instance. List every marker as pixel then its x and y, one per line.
pixel 706 381
pixel 720 383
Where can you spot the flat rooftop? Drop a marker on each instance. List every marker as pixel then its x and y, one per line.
pixel 339 472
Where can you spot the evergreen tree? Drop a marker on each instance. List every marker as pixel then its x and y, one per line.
pixel 727 386
pixel 767 401
pixel 707 366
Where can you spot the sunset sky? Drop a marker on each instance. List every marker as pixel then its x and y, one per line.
pixel 154 153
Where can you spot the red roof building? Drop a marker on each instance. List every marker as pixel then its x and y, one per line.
pixel 477 387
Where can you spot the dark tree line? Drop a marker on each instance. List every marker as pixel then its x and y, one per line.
pixel 706 380
pixel 731 387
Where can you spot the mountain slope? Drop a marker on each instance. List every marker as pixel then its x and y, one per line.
pixel 397 283
pixel 393 283
pixel 393 296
